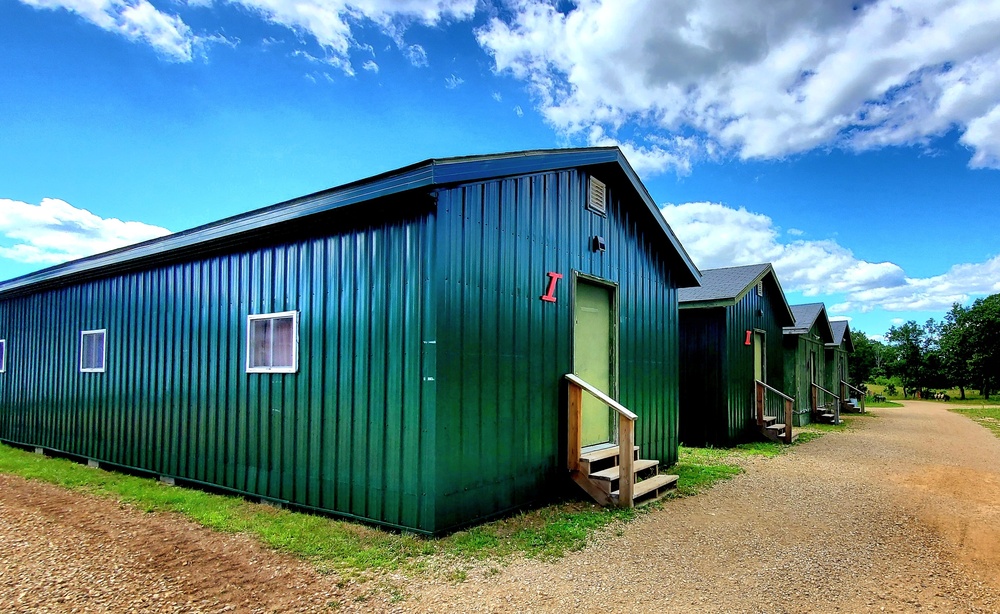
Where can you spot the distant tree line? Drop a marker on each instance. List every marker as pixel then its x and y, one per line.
pixel 960 351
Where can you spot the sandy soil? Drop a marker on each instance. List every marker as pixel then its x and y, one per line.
pixel 899 514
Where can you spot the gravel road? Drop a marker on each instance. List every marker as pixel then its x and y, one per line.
pixel 901 513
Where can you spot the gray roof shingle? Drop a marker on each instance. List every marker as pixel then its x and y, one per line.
pixel 805 318
pixel 722 284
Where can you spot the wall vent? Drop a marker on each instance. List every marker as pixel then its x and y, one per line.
pixel 760 288
pixel 598 197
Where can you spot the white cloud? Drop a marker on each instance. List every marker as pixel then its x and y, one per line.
pixel 717 236
pixel 54 231
pixel 329 22
pixel 370 66
pixel 795 232
pixel 136 20
pixel 757 79
pixel 497 96
pixel 452 82
pixel 518 110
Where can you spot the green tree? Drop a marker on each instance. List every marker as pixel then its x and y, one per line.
pixel 956 348
pixel 908 344
pixel 984 338
pixel 866 358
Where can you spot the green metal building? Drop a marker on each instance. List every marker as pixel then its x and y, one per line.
pixel 731 335
pixel 390 350
pixel 805 358
pixel 837 355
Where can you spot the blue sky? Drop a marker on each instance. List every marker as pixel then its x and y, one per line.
pixel 854 144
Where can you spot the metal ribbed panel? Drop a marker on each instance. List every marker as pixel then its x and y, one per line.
pixel 797 378
pixel 502 351
pixel 349 433
pixel 717 367
pixel 742 317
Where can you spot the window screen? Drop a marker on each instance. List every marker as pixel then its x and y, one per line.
pixel 272 343
pixel 92 346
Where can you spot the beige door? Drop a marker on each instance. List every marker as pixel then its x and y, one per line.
pixel 593 356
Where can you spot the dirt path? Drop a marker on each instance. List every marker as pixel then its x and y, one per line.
pixel 900 514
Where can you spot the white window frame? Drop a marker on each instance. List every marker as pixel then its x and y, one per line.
pixel 3 356
pixel 104 349
pixel 295 342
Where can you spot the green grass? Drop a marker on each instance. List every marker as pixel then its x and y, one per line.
pixel 354 549
pixel 986 415
pixel 882 404
pixel 970 395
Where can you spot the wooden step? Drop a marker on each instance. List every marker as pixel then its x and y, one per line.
pixel 646 486
pixel 828 415
pixel 612 473
pixel 770 419
pixel 775 427
pixel 603 453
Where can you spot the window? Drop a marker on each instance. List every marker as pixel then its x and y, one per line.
pixel 92 346
pixel 273 342
pixel 3 355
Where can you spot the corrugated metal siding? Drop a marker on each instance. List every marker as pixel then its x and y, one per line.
pixel 741 317
pixel 717 368
pixel 502 352
pixel 703 410
pixel 797 382
pixel 352 432
pixel 834 358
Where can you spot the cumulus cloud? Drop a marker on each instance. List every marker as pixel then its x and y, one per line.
pixel 136 20
pixel 718 236
pixel 329 22
pixel 757 79
pixel 54 231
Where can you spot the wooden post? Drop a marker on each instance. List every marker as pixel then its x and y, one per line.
pixel 862 396
pixel 788 421
pixel 813 399
pixel 626 457
pixel 575 418
pixel 760 402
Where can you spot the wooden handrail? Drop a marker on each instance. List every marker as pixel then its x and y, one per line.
pixel 600 396
pixel 775 391
pixel 858 390
pixel 760 388
pixel 836 396
pixel 626 437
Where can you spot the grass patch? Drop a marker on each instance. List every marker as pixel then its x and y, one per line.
pixel 882 404
pixel 986 415
pixel 332 545
pixel 353 549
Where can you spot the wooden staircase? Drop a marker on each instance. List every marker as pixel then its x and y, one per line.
pixel 777 431
pixel 609 477
pixel 602 469
pixel 853 399
pixel 829 411
pixel 768 424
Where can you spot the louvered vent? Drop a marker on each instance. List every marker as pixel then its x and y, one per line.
pixel 598 198
pixel 760 288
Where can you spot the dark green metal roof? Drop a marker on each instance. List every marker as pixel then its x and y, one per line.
pixel 807 316
pixel 841 335
pixel 727 286
pixel 426 174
